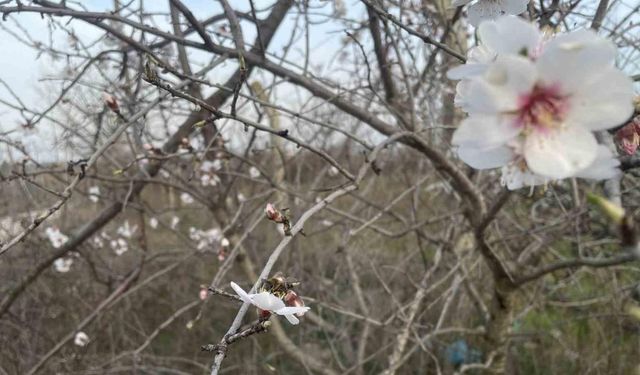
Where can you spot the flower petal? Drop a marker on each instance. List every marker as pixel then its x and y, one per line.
pixel 241 293
pixel 604 102
pixel 514 177
pixel 479 158
pixel 292 319
pixel 499 88
pixel 299 310
pixel 560 153
pixel 267 301
pixel 570 60
pixel 603 168
pixel 485 131
pixel 508 35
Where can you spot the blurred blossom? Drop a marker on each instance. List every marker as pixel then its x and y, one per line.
pixel 174 222
pixel 211 166
pixel 186 198
pixel 125 230
pixel 56 237
pixel 254 172
pixel 81 339
pixel 204 292
pixel 333 171
pixel 97 241
pixel 63 265
pixel 153 223
pixel 120 246
pixel 94 194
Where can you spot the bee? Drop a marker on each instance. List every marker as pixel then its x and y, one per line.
pixel 279 285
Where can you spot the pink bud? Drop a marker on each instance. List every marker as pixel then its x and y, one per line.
pixel 111 102
pixel 203 293
pixel 293 299
pixel 272 213
pixel 628 137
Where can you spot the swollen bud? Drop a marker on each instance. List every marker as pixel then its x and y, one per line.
pixel 111 102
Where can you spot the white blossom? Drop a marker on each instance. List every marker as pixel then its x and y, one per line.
pixel 63 265
pixel 125 230
pixel 174 222
pixel 120 246
pixel 211 166
pixel 56 237
pixel 481 10
pixel 186 198
pixel 81 339
pixel 254 172
pixel 535 105
pixel 153 223
pixel 94 194
pixel 269 302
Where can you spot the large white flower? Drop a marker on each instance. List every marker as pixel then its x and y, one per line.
pixel 269 302
pixel 534 107
pixel 482 10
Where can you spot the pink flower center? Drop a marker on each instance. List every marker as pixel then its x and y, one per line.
pixel 542 109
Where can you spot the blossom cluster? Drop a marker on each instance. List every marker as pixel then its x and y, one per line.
pixel 535 100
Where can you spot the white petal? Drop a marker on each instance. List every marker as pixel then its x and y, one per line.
pixel 292 319
pixel 515 178
pixel 485 158
pixel 485 131
pixel 501 86
pixel 604 103
pixel 571 60
pixel 241 293
pixel 299 310
pixel 560 153
pixel 267 301
pixel 508 35
pixel 466 70
pixel 603 168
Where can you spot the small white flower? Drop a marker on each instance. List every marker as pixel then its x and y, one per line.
pixel 164 173
pixel 482 10
pixel 81 339
pixel 333 171
pixel 224 242
pixel 211 166
pixel 327 223
pixel 174 222
pixel 63 265
pixel 254 172
pixel 97 242
pixel 153 223
pixel 94 194
pixel 241 197
pixel 120 246
pixel 186 198
pixel 56 237
pixel 126 231
pixel 269 302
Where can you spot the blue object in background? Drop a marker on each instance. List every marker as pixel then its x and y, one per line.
pixel 458 353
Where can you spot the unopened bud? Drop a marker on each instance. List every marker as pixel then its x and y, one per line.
pixel 111 102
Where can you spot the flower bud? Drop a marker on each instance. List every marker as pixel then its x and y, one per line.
pixel 111 102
